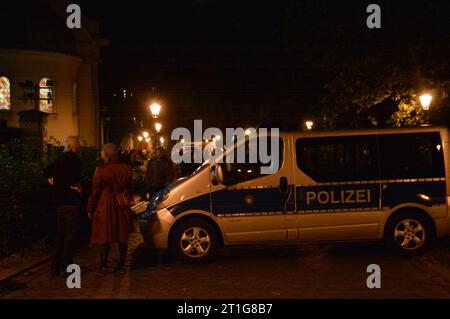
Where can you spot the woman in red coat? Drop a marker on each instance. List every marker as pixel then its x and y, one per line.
pixel 109 206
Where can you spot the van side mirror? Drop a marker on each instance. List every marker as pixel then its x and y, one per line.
pixel 217 174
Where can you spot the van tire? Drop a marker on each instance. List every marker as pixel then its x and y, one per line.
pixel 412 240
pixel 200 235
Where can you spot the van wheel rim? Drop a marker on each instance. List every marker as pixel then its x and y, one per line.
pixel 195 242
pixel 409 234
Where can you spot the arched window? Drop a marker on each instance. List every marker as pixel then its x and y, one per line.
pixel 46 95
pixel 5 93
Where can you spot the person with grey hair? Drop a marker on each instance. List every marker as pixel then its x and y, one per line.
pixel 64 174
pixel 109 207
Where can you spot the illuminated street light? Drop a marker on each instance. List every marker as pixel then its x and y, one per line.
pixel 145 134
pixel 249 131
pixel 425 100
pixel 158 127
pixel 155 108
pixel 147 140
pixel 140 138
pixel 161 140
pixel 309 125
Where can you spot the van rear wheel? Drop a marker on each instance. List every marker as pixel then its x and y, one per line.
pixel 194 240
pixel 409 233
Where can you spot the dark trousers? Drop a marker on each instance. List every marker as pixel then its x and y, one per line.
pixel 68 221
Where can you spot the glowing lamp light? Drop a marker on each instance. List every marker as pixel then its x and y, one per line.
pixel 161 140
pixel 145 134
pixel 248 131
pixel 147 140
pixel 309 125
pixel 425 100
pixel 155 108
pixel 158 127
pixel 140 138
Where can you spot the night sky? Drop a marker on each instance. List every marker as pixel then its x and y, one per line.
pixel 241 62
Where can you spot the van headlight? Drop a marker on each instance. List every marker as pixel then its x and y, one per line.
pixel 154 204
pixel 162 196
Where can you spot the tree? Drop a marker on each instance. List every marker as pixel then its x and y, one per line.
pixel 373 77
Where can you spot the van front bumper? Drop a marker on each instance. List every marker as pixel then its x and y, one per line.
pixel 155 228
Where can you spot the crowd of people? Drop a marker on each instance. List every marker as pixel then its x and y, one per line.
pixel 109 202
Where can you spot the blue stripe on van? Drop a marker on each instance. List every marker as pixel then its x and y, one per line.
pixel 233 201
pixel 425 193
pixel 317 197
pixel 201 203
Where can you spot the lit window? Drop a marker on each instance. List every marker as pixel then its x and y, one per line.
pixel 5 93
pixel 46 95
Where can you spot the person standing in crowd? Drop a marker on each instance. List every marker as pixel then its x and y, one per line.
pixel 109 207
pixel 159 172
pixel 64 174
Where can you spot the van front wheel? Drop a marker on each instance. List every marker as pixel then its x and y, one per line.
pixel 194 240
pixel 408 233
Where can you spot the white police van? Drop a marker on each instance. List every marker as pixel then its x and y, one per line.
pixel 390 184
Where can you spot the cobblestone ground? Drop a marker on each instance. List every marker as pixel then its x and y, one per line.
pixel 307 271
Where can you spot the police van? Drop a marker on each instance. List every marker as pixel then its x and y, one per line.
pixel 376 184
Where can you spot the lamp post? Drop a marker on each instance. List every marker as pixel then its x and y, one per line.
pixel 425 101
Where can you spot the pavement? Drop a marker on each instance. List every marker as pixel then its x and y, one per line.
pixel 303 271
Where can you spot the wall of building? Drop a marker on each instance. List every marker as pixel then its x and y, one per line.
pixel 75 111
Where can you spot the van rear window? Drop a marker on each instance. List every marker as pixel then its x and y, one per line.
pixel 411 156
pixel 364 158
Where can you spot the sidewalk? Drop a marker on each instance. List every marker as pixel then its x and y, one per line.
pixel 16 264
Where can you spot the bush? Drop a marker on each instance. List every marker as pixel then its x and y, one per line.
pixel 27 213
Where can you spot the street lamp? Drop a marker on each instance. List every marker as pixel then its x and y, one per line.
pixel 158 127
pixel 309 125
pixel 145 134
pixel 155 108
pixel 140 138
pixel 249 131
pixel 161 140
pixel 425 101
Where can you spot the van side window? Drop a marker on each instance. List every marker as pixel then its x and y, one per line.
pixel 418 155
pixel 235 173
pixel 334 159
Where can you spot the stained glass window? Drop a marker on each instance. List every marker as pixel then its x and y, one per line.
pixel 46 95
pixel 5 93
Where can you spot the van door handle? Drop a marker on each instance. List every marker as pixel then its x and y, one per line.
pixel 284 186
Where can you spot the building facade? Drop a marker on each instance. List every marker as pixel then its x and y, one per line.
pixel 48 67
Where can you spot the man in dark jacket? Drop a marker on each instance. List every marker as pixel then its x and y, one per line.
pixel 159 172
pixel 64 174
